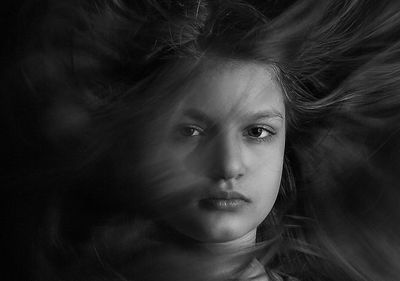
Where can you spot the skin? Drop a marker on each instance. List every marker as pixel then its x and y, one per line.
pixel 227 134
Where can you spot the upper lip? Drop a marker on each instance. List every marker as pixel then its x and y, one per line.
pixel 227 195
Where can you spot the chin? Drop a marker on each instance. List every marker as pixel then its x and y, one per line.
pixel 215 227
pixel 222 236
pixel 221 231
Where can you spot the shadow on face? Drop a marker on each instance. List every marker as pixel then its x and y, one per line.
pixel 213 163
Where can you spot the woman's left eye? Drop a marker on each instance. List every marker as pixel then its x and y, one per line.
pixel 191 131
pixel 259 132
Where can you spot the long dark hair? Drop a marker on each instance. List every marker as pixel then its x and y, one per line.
pixel 98 70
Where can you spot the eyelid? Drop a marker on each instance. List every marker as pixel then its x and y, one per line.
pixel 192 126
pixel 266 127
pixel 270 132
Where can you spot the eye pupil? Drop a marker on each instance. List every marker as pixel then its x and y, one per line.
pixel 187 131
pixel 256 132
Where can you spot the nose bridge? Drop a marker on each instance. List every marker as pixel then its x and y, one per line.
pixel 228 156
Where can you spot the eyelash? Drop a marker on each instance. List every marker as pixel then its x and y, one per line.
pixel 270 133
pixel 200 131
pixel 194 131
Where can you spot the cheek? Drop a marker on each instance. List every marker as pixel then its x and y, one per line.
pixel 266 186
pixel 264 178
pixel 167 175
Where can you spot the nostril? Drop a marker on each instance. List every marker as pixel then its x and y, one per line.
pixel 233 177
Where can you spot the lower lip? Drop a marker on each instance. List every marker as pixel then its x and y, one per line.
pixel 222 204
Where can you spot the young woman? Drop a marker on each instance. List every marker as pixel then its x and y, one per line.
pixel 183 135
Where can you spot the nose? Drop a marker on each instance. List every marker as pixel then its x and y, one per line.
pixel 226 159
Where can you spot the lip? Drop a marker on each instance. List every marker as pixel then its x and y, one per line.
pixel 227 195
pixel 224 201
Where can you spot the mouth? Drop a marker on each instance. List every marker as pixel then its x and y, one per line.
pixel 224 201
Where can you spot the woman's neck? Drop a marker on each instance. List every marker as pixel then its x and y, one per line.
pixel 243 243
pixel 237 258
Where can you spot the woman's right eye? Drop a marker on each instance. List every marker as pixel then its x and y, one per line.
pixel 191 131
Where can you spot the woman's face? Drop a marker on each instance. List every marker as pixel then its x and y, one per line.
pixel 214 162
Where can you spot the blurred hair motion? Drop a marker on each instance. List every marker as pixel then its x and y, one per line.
pixel 84 82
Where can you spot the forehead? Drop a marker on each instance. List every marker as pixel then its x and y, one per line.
pixel 233 89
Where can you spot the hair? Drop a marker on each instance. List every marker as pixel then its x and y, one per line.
pixel 98 70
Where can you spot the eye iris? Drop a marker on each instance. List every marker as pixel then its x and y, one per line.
pixel 188 131
pixel 256 132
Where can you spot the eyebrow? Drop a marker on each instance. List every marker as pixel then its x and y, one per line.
pixel 265 114
pixel 202 117
pixel 198 115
